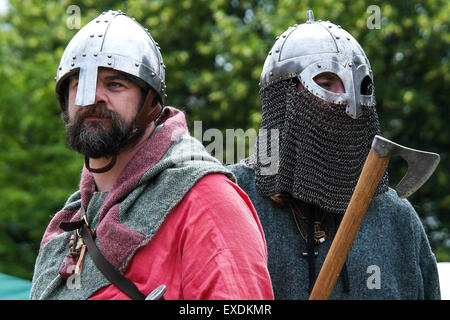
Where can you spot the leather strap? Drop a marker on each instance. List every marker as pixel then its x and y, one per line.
pixel 148 112
pixel 100 170
pixel 109 271
pixel 70 226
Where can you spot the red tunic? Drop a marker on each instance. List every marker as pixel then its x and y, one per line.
pixel 211 246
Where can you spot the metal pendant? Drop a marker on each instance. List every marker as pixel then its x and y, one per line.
pixel 319 235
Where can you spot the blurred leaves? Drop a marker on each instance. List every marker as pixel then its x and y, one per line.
pixel 214 51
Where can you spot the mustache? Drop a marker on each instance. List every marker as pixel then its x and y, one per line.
pixel 94 110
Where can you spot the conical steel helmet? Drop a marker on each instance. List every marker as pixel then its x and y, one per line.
pixel 316 47
pixel 112 40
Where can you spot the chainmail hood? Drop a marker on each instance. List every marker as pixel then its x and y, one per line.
pixel 321 149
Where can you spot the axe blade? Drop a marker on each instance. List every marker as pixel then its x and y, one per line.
pixel 421 164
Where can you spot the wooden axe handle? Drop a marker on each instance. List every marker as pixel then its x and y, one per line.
pixel 371 174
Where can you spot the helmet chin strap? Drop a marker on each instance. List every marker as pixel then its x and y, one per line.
pixel 103 169
pixel 147 114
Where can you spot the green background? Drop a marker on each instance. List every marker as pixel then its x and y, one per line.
pixel 214 51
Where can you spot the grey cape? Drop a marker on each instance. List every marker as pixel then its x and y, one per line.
pixel 390 258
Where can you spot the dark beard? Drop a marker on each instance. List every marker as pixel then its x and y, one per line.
pixel 100 138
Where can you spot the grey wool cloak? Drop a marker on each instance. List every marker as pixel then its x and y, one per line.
pixel 390 258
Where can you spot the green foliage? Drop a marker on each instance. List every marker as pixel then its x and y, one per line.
pixel 214 51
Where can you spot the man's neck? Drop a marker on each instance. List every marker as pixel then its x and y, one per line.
pixel 105 181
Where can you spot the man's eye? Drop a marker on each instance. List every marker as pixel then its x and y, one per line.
pixel 325 84
pixel 115 85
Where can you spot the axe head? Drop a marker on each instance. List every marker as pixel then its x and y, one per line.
pixel 421 164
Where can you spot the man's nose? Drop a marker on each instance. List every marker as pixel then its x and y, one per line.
pixel 100 95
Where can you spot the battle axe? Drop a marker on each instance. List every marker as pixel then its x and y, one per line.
pixel 421 166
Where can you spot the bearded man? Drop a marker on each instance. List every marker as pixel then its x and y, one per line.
pixel 318 123
pixel 153 208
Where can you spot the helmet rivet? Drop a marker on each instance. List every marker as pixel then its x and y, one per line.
pixel 109 56
pixel 330 26
pixel 109 63
pixel 337 37
pixel 136 64
pixel 106 21
pixel 92 35
pixel 72 64
pixel 60 68
pixel 278 37
pixel 97 21
pixel 271 73
pixel 277 50
pixel 153 74
pixel 270 53
pixel 100 35
pixel 370 70
pixel 348 38
pixel 95 54
pixel 84 54
pixel 162 90
pixel 74 57
pixel 319 66
pixel 350 64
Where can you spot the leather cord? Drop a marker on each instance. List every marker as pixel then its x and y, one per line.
pixel 108 270
pixel 100 170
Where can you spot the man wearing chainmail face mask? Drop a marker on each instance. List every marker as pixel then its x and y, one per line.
pixel 318 122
